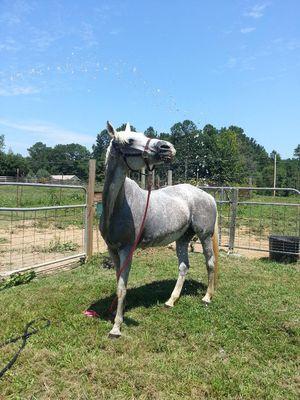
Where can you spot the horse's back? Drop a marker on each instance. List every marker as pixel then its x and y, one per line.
pixel 191 194
pixel 202 206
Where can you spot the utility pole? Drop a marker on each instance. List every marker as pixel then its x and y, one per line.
pixel 185 169
pixel 275 167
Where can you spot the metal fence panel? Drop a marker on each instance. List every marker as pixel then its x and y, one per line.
pixel 33 236
pixel 249 216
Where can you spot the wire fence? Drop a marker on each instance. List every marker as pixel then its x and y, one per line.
pixel 36 236
pixel 258 219
pixel 52 179
pixel 42 225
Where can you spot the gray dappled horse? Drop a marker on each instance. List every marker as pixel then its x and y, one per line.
pixel 176 213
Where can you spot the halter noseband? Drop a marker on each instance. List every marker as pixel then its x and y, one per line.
pixel 144 155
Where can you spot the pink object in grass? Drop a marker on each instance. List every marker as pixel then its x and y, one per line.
pixel 91 314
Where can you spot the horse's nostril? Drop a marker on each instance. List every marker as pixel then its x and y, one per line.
pixel 163 146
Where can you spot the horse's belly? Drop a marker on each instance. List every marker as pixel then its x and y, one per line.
pixel 162 236
pixel 167 239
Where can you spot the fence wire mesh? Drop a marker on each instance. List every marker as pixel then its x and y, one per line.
pixel 251 218
pixel 31 235
pixel 46 224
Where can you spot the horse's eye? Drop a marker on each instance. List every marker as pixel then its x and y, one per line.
pixel 130 141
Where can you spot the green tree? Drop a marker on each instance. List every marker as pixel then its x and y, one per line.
pixel 151 132
pixel 1 142
pixel 30 175
pixel 227 169
pixel 292 167
pixel 70 159
pixel 273 154
pixel 184 137
pixel 10 163
pixel 297 152
pixel 208 153
pixel 123 127
pixel 254 158
pixel 210 130
pixel 42 174
pixel 99 149
pixel 40 156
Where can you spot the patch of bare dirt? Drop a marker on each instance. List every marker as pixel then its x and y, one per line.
pixel 27 245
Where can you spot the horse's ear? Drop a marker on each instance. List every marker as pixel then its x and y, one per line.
pixel 111 129
pixel 127 128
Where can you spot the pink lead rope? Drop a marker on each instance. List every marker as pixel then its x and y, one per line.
pixel 94 314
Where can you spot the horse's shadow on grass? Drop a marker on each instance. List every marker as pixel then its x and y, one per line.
pixel 147 296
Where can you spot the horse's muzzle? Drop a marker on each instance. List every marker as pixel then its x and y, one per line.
pixel 165 151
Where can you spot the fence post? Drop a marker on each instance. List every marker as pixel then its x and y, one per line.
pixel 221 215
pixel 170 177
pixel 232 223
pixel 143 178
pixel 90 209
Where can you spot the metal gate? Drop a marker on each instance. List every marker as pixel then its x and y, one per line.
pixel 41 225
pixel 249 216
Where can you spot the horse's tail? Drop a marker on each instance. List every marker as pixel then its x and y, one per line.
pixel 215 239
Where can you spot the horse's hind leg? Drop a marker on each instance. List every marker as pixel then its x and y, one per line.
pixel 207 245
pixel 183 262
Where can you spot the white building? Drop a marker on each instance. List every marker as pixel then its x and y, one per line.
pixel 64 178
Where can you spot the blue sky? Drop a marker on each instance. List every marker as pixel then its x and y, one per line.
pixel 67 66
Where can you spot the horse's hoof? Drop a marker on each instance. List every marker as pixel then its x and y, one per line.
pixel 169 305
pixel 206 300
pixel 114 335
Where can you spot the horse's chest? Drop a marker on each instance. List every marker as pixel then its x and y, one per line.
pixel 119 231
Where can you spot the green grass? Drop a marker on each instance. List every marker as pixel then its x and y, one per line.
pixel 57 246
pixel 42 219
pixel 13 196
pixel 243 346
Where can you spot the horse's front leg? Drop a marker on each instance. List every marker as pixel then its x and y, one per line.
pixel 121 293
pixel 115 258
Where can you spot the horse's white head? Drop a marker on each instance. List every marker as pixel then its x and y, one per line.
pixel 137 150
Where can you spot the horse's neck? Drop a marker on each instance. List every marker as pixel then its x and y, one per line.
pixel 113 191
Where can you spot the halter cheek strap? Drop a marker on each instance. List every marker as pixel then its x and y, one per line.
pixel 144 156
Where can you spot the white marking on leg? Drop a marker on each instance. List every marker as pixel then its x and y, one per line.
pixel 210 265
pixel 183 270
pixel 121 293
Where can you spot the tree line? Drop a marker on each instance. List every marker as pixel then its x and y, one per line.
pixel 209 155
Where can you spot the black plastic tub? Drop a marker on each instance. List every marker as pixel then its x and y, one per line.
pixel 284 248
